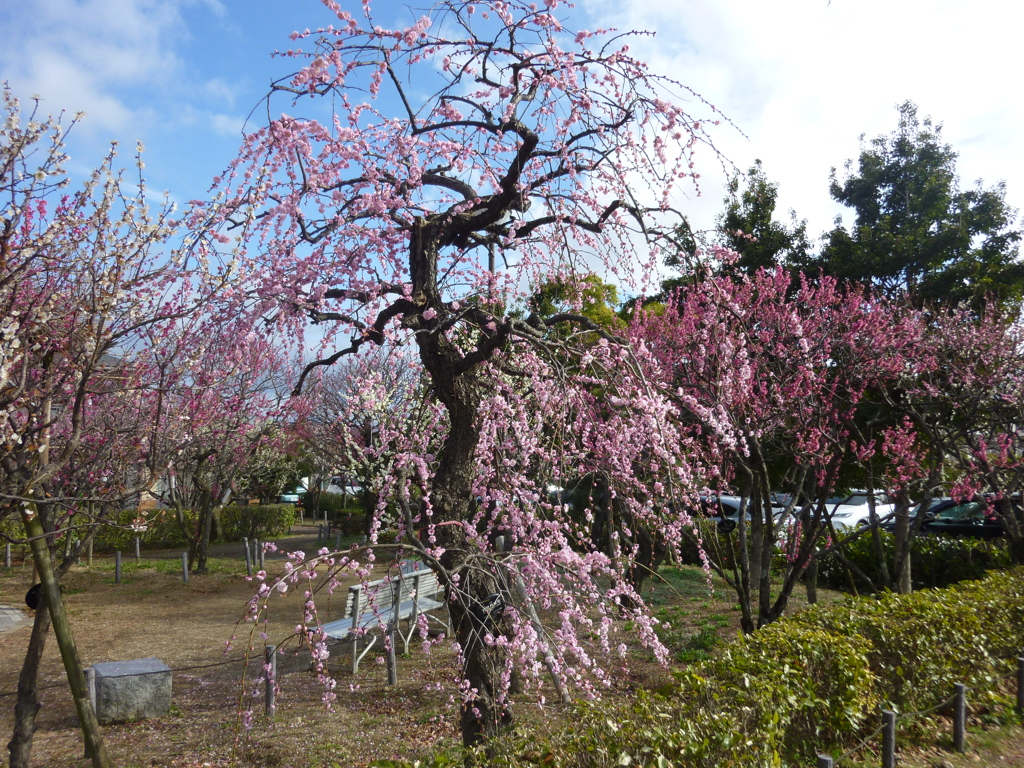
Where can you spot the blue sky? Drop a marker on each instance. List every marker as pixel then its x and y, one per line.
pixel 802 79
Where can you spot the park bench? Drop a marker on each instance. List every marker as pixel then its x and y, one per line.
pixel 374 605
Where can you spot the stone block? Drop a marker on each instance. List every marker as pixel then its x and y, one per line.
pixel 129 690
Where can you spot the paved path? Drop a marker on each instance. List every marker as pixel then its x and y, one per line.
pixel 12 618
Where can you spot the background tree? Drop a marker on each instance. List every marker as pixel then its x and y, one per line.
pixel 479 150
pixel 747 226
pixel 223 405
pixel 771 378
pixel 84 281
pixel 915 230
pixel 364 415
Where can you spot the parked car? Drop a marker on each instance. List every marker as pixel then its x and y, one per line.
pixel 293 497
pixel 853 511
pixel 976 519
pixel 726 509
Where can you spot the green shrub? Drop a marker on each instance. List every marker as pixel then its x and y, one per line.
pixel 936 561
pixel 811 683
pixel 256 521
pixel 161 530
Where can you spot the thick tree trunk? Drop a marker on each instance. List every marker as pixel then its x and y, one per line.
pixel 27 705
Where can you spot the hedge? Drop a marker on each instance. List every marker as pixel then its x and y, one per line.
pixel 811 683
pixel 237 522
pixel 936 561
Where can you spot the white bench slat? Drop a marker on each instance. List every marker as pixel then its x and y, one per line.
pixel 372 605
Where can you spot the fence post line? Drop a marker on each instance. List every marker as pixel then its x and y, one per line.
pixel 1020 685
pixel 824 761
pixel 959 717
pixel 184 567
pixel 888 739
pixel 117 566
pixel 138 552
pixel 270 672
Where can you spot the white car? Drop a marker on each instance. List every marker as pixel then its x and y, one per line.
pixel 853 511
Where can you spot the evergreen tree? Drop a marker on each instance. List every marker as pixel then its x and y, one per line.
pixel 915 231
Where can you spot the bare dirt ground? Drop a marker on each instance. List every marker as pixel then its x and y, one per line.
pixel 152 613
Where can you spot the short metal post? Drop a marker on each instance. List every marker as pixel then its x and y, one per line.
pixel 260 553
pixel 7 555
pixel 824 761
pixel 389 639
pixel 90 553
pixel 117 567
pixel 270 672
pixel 888 739
pixel 959 717
pixel 1020 685
pixel 248 557
pixel 184 567
pixel 138 553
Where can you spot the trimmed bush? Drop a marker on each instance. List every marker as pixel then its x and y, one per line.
pixel 811 683
pixel 936 561
pixel 256 521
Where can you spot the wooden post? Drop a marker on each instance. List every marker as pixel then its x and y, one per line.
pixel 888 739
pixel 1020 685
pixel 270 672
pixel 117 567
pixel 959 717
pixel 184 567
pixel 138 553
pixel 7 555
pixel 65 639
pixel 337 543
pixel 824 761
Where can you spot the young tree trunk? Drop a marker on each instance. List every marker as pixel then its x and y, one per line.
pixel 811 582
pixel 65 639
pixel 902 549
pixel 27 705
pixel 205 529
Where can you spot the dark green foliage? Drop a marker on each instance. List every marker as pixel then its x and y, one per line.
pixel 936 561
pixel 747 227
pixel 916 231
pixel 237 522
pixel 256 521
pixel 346 511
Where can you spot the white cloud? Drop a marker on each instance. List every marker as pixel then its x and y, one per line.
pixel 804 79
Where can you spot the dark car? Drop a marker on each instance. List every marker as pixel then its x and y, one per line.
pixel 976 519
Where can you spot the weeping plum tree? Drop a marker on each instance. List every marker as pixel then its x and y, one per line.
pixel 426 180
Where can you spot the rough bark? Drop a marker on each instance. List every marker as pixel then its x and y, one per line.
pixel 27 705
